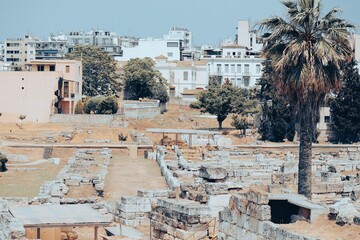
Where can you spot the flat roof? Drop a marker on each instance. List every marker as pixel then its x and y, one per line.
pixel 58 216
pixel 181 131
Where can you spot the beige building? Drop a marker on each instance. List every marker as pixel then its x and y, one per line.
pixel 44 88
pixel 18 52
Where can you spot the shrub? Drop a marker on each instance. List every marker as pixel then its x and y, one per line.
pixel 101 105
pixel 79 108
pixel 3 161
pixel 240 123
pixel 122 137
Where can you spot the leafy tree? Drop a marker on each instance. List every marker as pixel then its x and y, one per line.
pixel 345 108
pixel 221 100
pixel 277 121
pixel 99 71
pixel 240 123
pixel 142 80
pixel 307 51
pixel 3 161
pixel 79 107
pixel 101 105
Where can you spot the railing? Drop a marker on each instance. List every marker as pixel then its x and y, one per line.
pixel 211 230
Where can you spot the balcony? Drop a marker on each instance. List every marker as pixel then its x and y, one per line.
pixel 247 73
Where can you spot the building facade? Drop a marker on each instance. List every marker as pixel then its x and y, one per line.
pixel 44 88
pixel 182 75
pixel 18 52
pixel 106 40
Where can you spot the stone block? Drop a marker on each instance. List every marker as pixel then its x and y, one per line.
pixel 210 172
pixel 216 188
pixel 258 197
pixel 260 212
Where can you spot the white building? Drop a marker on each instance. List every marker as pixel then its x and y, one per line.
pixel 2 51
pixel 176 46
pixel 108 41
pixel 356 45
pixel 152 48
pixel 182 75
pixel 234 63
pixel 239 61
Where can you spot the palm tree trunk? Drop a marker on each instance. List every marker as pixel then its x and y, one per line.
pixel 305 153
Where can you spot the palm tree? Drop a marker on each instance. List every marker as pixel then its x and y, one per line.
pixel 307 51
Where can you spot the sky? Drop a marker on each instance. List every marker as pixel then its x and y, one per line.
pixel 210 21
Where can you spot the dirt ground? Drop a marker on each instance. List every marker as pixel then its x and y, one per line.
pixel 323 228
pixel 126 175
pixel 25 180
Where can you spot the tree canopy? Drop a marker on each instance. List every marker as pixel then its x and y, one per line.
pixel 99 71
pixel 307 51
pixel 142 80
pixel 221 100
pixel 345 108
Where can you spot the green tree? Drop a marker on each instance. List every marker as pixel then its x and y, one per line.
pixel 307 51
pixel 240 123
pixel 277 120
pixel 345 108
pixel 142 80
pixel 79 107
pixel 99 71
pixel 101 105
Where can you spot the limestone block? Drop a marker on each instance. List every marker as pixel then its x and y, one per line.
pixel 212 172
pixel 258 197
pixel 355 194
pixel 336 187
pixel 269 231
pixel 216 188
pixel 346 215
pixel 4 206
pixel 260 212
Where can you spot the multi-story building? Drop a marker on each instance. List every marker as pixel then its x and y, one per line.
pixel 19 51
pixel 238 62
pixel 106 40
pixel 176 46
pixel 182 75
pixel 2 52
pixel 234 63
pixel 51 49
pixel 44 88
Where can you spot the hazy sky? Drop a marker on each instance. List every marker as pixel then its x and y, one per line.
pixel 209 20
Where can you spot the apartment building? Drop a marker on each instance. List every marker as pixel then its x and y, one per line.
pixel 2 52
pixel 18 52
pixel 234 63
pixel 182 75
pixel 50 50
pixel 175 46
pixel 238 61
pixel 43 88
pixel 106 40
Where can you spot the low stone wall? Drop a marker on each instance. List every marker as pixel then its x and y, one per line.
pixel 179 219
pixel 248 217
pixel 172 182
pixel 114 120
pixel 10 227
pixel 142 109
pixel 134 211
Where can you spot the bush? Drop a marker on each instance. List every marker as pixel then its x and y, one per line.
pixel 3 161
pixel 101 105
pixel 122 137
pixel 79 108
pixel 240 123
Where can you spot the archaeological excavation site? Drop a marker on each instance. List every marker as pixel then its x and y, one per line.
pixel 126 181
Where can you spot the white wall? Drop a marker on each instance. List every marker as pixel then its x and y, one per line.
pixel 152 49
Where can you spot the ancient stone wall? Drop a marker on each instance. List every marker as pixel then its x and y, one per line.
pixel 10 227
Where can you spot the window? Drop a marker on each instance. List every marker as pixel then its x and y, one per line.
pixel 232 68
pixel 226 68
pixel 52 68
pixel 186 76
pixel 66 89
pixel 169 54
pixel 173 44
pixel 67 68
pixel 258 68
pixel 172 76
pixel 246 82
pixel 247 69
pixel 238 68
pixel 218 69
pixel 233 81
pixel 77 87
pixel 327 119
pixel 40 68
